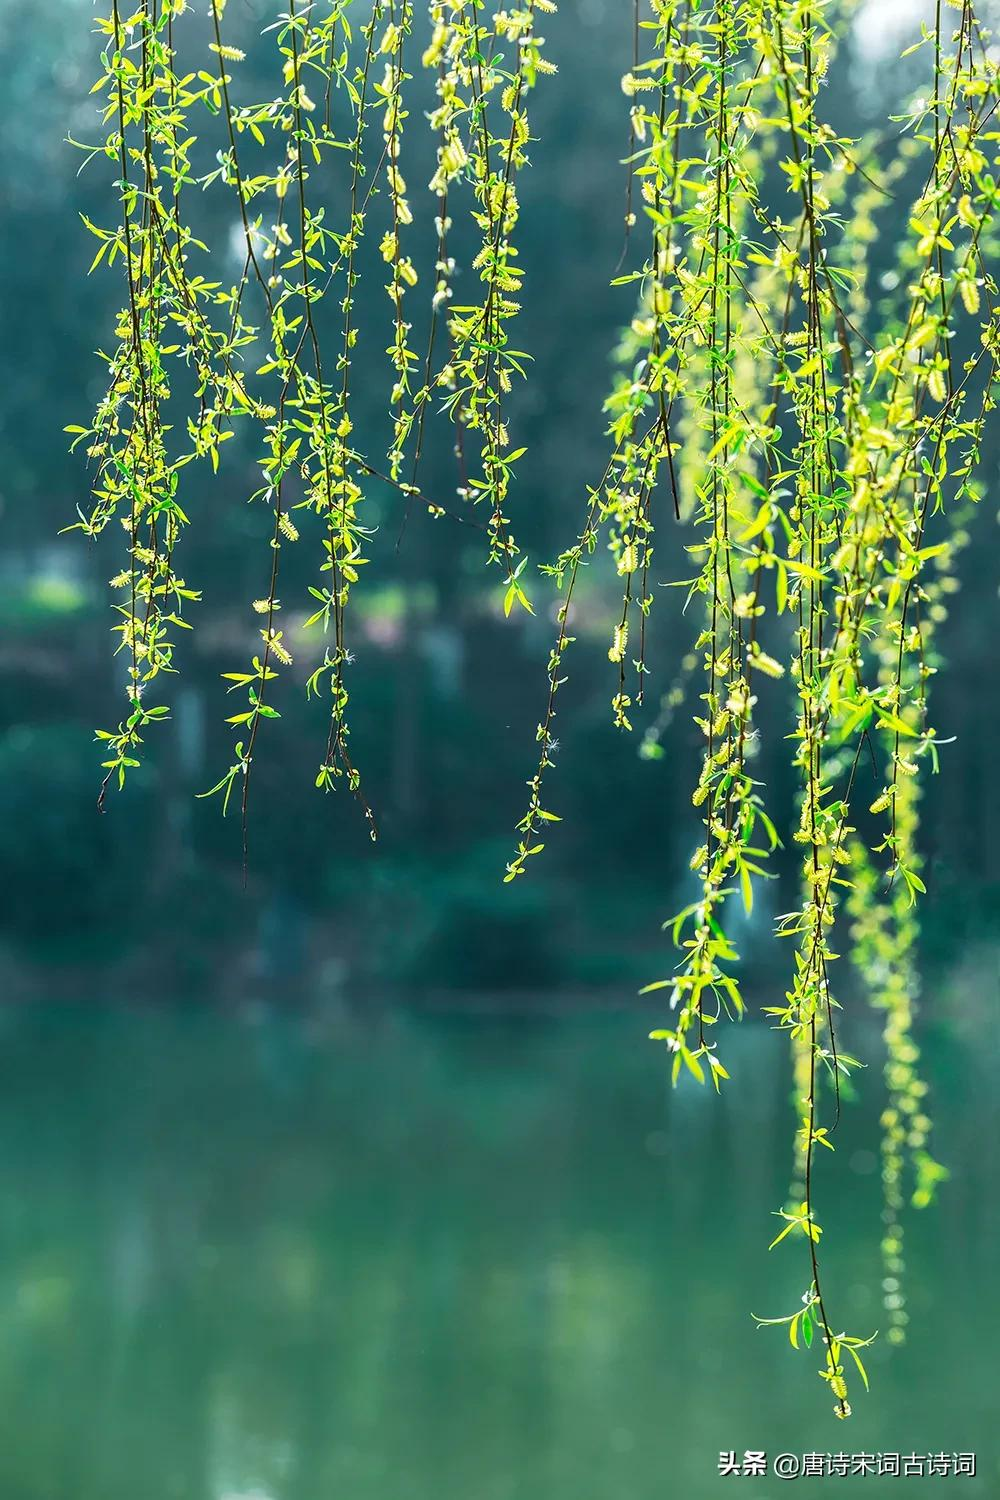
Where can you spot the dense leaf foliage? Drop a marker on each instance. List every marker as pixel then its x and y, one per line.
pixel 813 431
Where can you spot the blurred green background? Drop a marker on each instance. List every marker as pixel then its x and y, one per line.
pixel 362 1181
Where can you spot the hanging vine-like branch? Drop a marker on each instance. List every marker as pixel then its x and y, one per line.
pixel 808 434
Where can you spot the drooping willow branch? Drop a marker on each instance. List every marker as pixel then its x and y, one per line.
pixel 818 454
pixel 806 428
pixel 261 353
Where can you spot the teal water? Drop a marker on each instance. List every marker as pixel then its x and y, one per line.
pixel 271 1257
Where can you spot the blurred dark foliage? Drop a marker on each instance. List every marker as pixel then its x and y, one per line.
pixel 445 693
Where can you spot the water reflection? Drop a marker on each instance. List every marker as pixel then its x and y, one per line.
pixel 272 1258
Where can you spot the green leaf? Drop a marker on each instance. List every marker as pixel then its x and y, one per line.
pixel 692 1064
pixel 746 886
pixel 780 1236
pixel 857 1360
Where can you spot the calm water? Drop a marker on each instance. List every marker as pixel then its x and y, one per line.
pixel 417 1259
